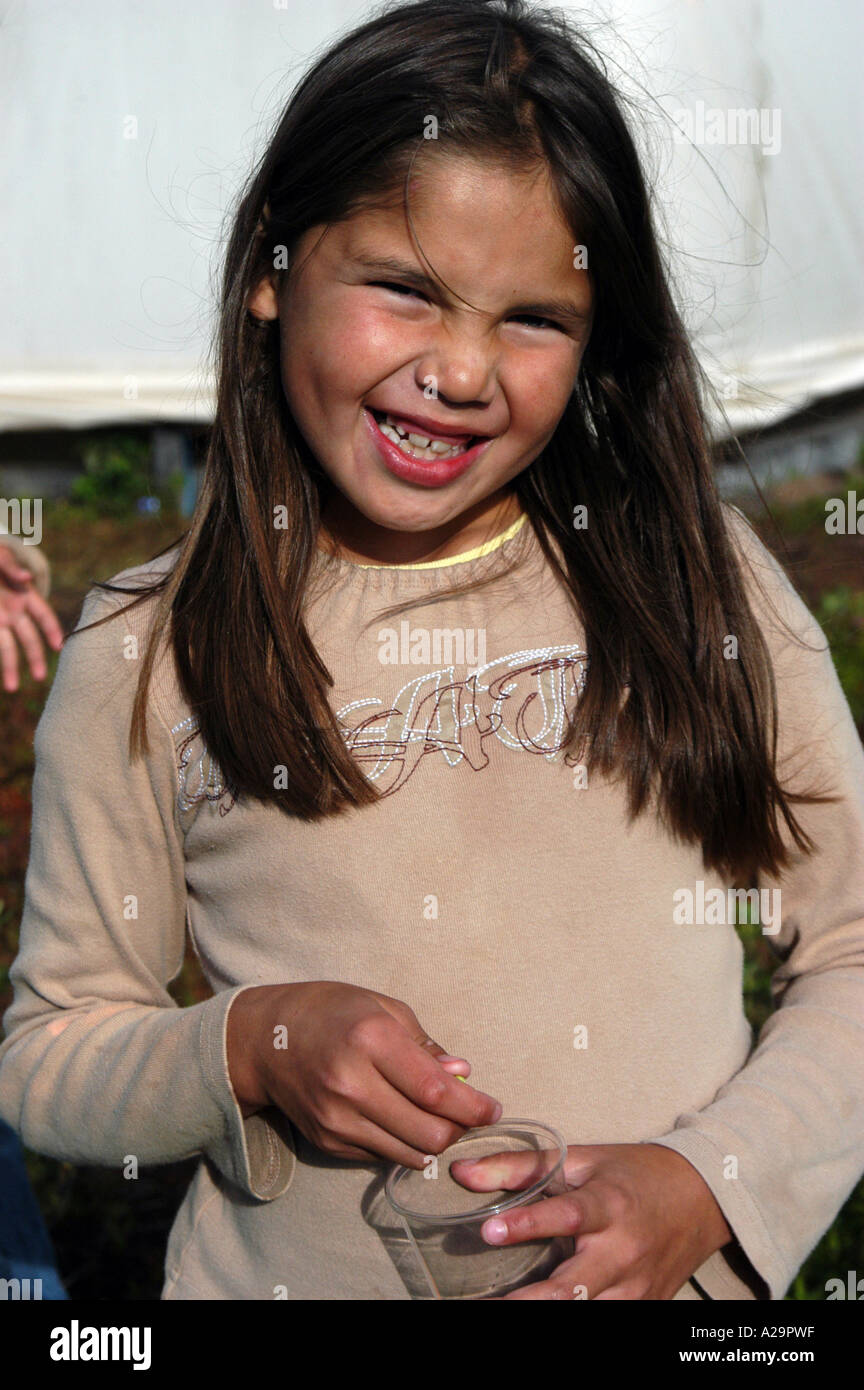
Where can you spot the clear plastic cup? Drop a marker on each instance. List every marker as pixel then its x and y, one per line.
pixel 442 1219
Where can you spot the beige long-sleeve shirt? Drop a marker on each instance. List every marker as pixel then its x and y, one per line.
pixel 527 924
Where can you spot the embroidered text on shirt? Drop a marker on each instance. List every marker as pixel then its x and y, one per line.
pixel 523 700
pixel 429 714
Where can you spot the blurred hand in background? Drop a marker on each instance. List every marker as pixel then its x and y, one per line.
pixel 22 608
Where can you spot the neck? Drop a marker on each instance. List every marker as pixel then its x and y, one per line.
pixel 345 531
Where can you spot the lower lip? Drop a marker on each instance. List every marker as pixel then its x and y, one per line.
pixel 426 472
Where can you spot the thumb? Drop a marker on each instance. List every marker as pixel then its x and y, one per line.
pixel 457 1066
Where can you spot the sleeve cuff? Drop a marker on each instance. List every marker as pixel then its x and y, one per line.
pixel 257 1154
pixel 725 1274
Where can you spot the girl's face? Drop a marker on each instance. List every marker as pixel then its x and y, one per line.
pixel 359 335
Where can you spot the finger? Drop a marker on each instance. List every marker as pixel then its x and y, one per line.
pixel 406 1016
pixel 435 1049
pixel 436 1092
pixel 513 1171
pixel 31 645
pixel 570 1214
pixel 582 1161
pixel 8 659
pixel 413 1070
pixel 419 1134
pixel 10 570
pixel 387 1146
pixel 46 618
pixel 390 1126
pixel 374 1116
pixel 456 1066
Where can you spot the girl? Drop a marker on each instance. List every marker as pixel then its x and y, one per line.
pixel 451 382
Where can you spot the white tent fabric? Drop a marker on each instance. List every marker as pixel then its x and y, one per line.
pixel 127 130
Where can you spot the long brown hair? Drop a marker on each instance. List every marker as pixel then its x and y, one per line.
pixel 653 577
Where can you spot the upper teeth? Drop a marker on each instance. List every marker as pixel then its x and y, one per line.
pixel 423 446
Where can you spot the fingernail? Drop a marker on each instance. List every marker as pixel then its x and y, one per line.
pixel 497 1112
pixel 448 1057
pixel 494 1230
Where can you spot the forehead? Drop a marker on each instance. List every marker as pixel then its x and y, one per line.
pixel 480 224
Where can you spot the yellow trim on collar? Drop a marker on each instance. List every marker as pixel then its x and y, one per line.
pixel 474 554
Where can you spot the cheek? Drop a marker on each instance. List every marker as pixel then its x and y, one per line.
pixel 318 324
pixel 351 327
pixel 372 340
pixel 540 391
pixel 317 369
pixel 352 350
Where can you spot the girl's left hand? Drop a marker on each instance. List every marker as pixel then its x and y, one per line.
pixel 642 1218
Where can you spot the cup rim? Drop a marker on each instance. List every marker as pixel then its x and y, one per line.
pixel 517 1199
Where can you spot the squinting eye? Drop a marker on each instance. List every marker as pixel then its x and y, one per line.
pixel 391 285
pixel 532 318
pixel 408 290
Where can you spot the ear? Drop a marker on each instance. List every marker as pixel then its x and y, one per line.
pixel 262 302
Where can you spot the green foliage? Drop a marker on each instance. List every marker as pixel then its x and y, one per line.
pixel 840 613
pixel 116 476
pixel 798 518
pixel 838 1251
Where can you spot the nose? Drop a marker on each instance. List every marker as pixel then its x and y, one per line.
pixel 459 369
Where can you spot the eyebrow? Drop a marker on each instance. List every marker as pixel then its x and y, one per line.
pixel 391 265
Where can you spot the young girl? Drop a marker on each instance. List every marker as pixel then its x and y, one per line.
pixel 497 838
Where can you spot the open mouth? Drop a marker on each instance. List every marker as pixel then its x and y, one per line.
pixel 411 442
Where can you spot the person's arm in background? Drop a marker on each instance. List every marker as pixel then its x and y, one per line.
pixel 782 1144
pixel 99 1061
pixel 25 1245
pixel 25 583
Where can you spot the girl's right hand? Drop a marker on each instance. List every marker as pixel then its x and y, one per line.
pixel 348 1067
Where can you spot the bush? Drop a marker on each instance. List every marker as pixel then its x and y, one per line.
pixel 840 614
pixel 117 478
